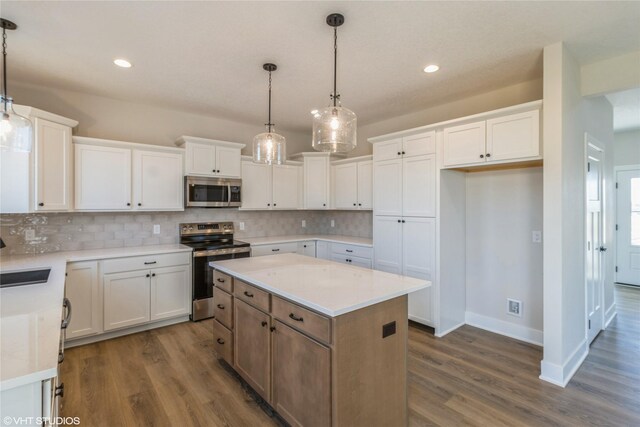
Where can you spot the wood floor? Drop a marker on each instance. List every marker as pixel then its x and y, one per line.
pixel 170 377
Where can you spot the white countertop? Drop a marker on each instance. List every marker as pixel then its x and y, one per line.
pixel 30 316
pixel 324 286
pixel 350 240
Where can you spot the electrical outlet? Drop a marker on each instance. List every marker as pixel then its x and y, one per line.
pixel 536 236
pixel 304 223
pixel 514 307
pixel 241 224
pixel 333 223
pixel 156 228
pixel 29 234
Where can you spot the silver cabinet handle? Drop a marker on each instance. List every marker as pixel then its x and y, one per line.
pixel 65 322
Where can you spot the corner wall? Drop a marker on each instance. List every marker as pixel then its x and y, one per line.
pixel 627 148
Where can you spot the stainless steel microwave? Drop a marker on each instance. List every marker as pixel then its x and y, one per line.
pixel 201 192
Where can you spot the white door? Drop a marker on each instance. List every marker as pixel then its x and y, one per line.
pixel 345 186
pixel 316 182
pixel 228 162
pixel 256 186
pixel 387 150
pixel 419 186
pixel 285 186
pixel 126 299
pixel 514 136
pixel 418 260
pixel 365 185
pixel 82 288
pixel 157 181
pixel 464 144
pixel 594 273
pixel 387 233
pixel 102 178
pixel 53 166
pixel 387 187
pixel 200 159
pixel 170 292
pixel 628 222
pixel 417 145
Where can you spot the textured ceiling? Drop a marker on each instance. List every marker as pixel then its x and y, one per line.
pixel 207 56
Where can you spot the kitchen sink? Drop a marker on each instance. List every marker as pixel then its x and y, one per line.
pixel 24 277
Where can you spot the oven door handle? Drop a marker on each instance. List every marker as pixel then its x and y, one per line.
pixel 228 194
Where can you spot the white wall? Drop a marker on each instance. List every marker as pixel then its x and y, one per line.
pixel 502 209
pixel 611 75
pixel 627 148
pixel 566 117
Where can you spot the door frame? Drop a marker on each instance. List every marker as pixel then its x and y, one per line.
pixel 590 140
pixel 616 169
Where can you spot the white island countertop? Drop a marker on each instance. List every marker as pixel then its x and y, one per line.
pixel 30 316
pixel 327 287
pixel 333 238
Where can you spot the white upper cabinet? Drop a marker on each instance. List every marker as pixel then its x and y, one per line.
pixel 157 180
pixel 387 150
pixel 256 185
pixel 365 185
pixel 209 157
pixel 285 183
pixel 316 182
pixel 419 186
pixel 406 146
pixel 501 138
pixel 53 166
pixel 102 178
pixel 352 184
pixel 387 183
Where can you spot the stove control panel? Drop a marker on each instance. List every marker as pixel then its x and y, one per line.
pixel 206 228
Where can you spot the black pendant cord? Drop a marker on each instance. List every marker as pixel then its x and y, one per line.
pixel 335 66
pixel 269 125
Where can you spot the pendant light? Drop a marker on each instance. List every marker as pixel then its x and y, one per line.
pixel 334 127
pixel 15 131
pixel 269 147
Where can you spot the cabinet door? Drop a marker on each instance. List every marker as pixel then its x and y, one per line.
pixel 252 347
pixel 346 186
pixel 126 299
pixel 256 186
pixel 200 159
pixel 228 162
pixel 82 288
pixel 301 378
pixel 53 166
pixel 316 182
pixel 103 178
pixel 158 182
pixel 387 150
pixel 323 250
pixel 418 260
pixel 387 187
pixel 285 186
pixel 419 186
pixel 464 144
pixel 307 248
pixel 387 241
pixel 417 145
pixel 365 185
pixel 513 137
pixel 170 292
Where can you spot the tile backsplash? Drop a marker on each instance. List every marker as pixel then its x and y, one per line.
pixel 54 232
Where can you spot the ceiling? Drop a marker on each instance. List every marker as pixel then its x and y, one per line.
pixel 207 57
pixel 626 109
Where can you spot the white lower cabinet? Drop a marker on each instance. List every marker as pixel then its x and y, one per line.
pixel 170 293
pixel 126 299
pixel 359 256
pixel 274 249
pixel 323 250
pixel 307 248
pixel 82 288
pixel 408 249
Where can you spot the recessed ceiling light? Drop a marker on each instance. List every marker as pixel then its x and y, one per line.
pixel 431 68
pixel 122 63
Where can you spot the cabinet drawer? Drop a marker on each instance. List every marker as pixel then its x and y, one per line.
pixel 315 325
pixel 145 262
pixel 223 281
pixel 352 260
pixel 254 296
pixel 278 248
pixel 223 307
pixel 351 250
pixel 223 342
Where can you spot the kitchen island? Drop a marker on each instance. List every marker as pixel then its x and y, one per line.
pixel 324 343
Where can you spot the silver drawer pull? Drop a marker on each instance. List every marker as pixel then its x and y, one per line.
pixel 65 322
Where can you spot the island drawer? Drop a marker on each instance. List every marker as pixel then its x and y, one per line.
pixel 223 342
pixel 223 281
pixel 252 295
pixel 353 250
pixel 223 307
pixel 315 325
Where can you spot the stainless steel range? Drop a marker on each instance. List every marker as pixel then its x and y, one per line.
pixel 211 241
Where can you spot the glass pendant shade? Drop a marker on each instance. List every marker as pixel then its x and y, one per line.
pixel 269 148
pixel 334 130
pixel 16 131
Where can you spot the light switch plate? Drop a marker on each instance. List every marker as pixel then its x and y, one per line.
pixel 536 236
pixel 304 223
pixel 333 223
pixel 156 228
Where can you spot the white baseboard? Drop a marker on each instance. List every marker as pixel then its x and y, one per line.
pixel 440 334
pixel 421 321
pixel 561 375
pixel 609 315
pixel 126 331
pixel 519 332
